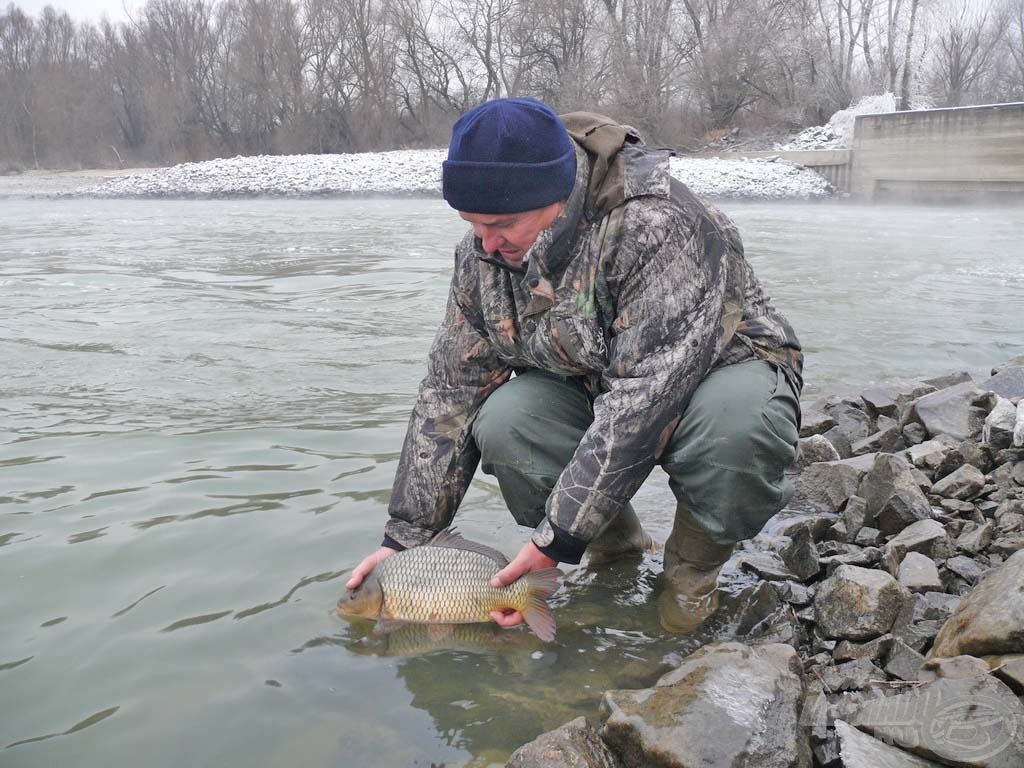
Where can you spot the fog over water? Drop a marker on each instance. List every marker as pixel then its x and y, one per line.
pixel 200 418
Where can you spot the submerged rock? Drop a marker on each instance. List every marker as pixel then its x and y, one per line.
pixel 577 744
pixel 728 705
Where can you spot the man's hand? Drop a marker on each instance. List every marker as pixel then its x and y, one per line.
pixel 529 559
pixel 362 570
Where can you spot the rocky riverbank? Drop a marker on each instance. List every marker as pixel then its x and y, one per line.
pixel 877 622
pixel 418 172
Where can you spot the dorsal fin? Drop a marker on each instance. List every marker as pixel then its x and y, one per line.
pixel 452 539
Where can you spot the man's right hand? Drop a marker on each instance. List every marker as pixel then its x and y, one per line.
pixel 362 570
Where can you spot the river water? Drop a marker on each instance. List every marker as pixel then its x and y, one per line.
pixel 201 410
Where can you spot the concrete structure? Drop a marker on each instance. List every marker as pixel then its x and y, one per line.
pixel 933 155
pixel 940 154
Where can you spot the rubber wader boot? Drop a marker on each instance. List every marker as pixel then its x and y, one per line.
pixel 693 561
pixel 623 537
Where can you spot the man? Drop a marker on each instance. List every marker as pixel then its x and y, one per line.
pixel 638 335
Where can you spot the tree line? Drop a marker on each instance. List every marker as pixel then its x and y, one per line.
pixel 193 79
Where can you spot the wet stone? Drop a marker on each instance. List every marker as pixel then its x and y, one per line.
pixel 748 696
pixel 576 744
pixel 989 725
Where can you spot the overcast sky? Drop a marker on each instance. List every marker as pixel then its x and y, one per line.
pixel 80 10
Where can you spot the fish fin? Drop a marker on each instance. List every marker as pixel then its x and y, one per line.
pixel 543 582
pixel 450 538
pixel 384 626
pixel 541 585
pixel 539 617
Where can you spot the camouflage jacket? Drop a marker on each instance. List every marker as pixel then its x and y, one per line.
pixel 640 287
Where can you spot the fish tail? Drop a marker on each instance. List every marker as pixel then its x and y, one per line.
pixel 540 586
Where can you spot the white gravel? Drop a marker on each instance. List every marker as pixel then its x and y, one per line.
pixel 418 172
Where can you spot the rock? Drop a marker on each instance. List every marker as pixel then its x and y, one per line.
pixel 857 603
pixel 979 719
pixel 999 425
pixel 966 568
pixel 790 520
pixel 975 455
pixel 952 668
pixel 852 675
pixel 938 605
pixel 799 554
pixel 747 696
pixel 892 495
pixel 767 565
pixel 949 412
pixel 868 537
pixel 840 441
pixel 925 536
pixel 939 457
pixel 1018 473
pixel 991 619
pixel 872 649
pixel 814 422
pixel 858 750
pixel 949 380
pixel 576 744
pixel 1008 383
pixel 1018 428
pixel 904 662
pixel 965 483
pixel 918 573
pixel 887 440
pixel 890 397
pixel 914 433
pixel 816 449
pixel 1011 363
pixel 850 419
pixel 865 557
pixel 1009 669
pixel 827 485
pixel 793 592
pixel 1010 523
pixel 854 515
pixel 975 540
pixel 1007 545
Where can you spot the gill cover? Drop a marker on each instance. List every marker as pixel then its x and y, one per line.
pixel 365 600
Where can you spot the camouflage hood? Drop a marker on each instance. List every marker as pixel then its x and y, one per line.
pixel 639 288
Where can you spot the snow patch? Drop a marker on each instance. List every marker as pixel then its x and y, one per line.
pixel 418 172
pixel 837 133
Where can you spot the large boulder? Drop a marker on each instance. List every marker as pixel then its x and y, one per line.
pixel 972 721
pixel 577 744
pixel 990 620
pixel 728 705
pixel 949 412
pixel 857 603
pixel 858 750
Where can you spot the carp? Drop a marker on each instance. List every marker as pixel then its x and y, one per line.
pixel 447 581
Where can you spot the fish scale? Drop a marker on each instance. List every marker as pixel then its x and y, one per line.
pixel 436 584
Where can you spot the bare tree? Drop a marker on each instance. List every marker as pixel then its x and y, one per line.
pixel 964 52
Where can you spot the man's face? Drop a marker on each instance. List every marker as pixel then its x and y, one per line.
pixel 512 234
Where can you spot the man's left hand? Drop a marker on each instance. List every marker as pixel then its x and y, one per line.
pixel 529 559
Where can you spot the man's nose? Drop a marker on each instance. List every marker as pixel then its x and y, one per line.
pixel 491 240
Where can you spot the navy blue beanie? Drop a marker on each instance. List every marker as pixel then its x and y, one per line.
pixel 508 156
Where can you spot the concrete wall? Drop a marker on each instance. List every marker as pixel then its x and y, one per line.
pixel 940 154
pixel 833 164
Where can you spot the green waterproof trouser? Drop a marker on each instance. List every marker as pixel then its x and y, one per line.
pixel 726 460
